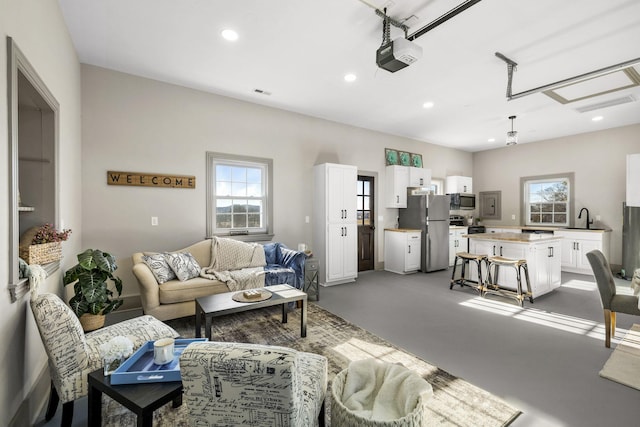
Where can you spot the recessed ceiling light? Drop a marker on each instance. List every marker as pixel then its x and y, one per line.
pixel 350 77
pixel 491 140
pixel 229 35
pixel 597 118
pixel 427 104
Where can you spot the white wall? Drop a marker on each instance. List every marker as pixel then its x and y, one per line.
pixel 598 160
pixel 39 30
pixel 140 125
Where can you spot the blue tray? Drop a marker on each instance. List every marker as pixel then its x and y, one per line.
pixel 139 368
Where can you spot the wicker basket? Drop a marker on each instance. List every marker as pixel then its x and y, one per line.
pixel 91 322
pixel 41 254
pixel 343 416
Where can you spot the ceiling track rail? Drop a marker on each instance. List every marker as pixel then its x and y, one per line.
pixel 442 19
pixel 511 66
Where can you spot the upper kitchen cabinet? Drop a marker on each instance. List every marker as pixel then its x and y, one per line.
pixel 396 183
pixel 419 177
pixel 459 184
pixel 633 178
pixel 399 178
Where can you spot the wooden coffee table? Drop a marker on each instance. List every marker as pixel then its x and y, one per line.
pixel 221 304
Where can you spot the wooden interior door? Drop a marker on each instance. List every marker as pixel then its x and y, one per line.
pixel 366 223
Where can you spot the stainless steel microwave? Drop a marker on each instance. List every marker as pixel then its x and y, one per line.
pixel 462 201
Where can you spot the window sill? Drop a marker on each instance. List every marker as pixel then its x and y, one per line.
pixel 246 237
pixel 20 289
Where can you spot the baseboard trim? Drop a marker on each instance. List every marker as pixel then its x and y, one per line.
pixel 33 407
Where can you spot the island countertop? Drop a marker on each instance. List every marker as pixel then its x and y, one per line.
pixel 514 237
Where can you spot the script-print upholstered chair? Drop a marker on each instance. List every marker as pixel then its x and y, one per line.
pixel 237 384
pixel 611 302
pixel 73 355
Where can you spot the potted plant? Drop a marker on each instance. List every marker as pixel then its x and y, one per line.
pixel 92 298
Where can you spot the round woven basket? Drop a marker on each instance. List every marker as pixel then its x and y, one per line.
pixel 91 322
pixel 343 416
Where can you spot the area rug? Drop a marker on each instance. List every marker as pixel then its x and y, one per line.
pixel 455 402
pixel 623 366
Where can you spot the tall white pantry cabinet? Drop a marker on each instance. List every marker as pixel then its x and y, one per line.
pixel 335 231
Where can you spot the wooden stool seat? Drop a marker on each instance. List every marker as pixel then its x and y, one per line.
pixel 467 255
pixel 465 258
pixel 507 261
pixel 520 265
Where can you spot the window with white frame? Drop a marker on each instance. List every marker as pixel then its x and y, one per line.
pixel 239 194
pixel 547 200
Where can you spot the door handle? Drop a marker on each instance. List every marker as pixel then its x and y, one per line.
pixel 500 250
pixel 409 248
pixel 494 250
pixel 397 199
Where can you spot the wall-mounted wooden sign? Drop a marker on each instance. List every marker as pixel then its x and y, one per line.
pixel 150 179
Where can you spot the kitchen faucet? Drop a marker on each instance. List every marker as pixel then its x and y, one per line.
pixel 580 215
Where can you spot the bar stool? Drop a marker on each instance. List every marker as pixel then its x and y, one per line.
pixel 465 258
pixel 520 265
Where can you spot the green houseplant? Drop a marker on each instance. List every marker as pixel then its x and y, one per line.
pixel 92 296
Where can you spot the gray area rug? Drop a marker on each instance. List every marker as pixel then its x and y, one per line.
pixel 623 366
pixel 455 401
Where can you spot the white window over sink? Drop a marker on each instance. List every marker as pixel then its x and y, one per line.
pixel 547 200
pixel 238 195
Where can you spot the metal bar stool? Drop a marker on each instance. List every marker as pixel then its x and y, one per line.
pixel 465 258
pixel 520 265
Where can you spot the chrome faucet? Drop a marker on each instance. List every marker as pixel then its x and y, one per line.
pixel 580 216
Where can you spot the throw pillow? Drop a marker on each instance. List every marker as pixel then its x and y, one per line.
pixel 184 265
pixel 270 252
pixel 159 267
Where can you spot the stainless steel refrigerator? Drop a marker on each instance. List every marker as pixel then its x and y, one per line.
pixel 630 240
pixel 430 214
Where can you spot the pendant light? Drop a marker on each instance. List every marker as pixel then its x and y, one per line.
pixel 512 135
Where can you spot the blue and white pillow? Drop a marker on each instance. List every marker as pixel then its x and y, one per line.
pixel 159 267
pixel 184 265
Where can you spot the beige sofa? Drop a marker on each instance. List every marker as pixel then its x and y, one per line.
pixel 174 299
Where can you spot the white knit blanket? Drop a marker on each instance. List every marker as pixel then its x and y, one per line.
pixel 383 391
pixel 238 264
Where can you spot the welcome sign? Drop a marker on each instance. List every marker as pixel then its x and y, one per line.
pixel 150 179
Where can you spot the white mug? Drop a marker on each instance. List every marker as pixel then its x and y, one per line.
pixel 163 351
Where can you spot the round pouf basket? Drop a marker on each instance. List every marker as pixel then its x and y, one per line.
pixel 91 322
pixel 343 416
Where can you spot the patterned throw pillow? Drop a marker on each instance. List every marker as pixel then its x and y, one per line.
pixel 184 265
pixel 159 267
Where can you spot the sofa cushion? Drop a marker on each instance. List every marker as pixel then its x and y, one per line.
pixel 159 267
pixel 184 265
pixel 175 291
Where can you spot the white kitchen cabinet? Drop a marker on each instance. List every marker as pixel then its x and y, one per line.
pixel 402 250
pixel 335 233
pixel 543 261
pixel 575 246
pixel 633 180
pixel 396 183
pixel 419 177
pixel 457 243
pixel 459 184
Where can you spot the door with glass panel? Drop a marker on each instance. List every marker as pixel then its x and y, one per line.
pixel 366 223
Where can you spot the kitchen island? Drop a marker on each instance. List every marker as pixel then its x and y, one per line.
pixel 542 252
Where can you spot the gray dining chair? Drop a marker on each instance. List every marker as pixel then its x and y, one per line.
pixel 612 303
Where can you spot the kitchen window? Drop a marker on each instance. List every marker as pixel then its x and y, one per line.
pixel 547 200
pixel 238 195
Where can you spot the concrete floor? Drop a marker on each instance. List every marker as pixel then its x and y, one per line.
pixel 543 359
